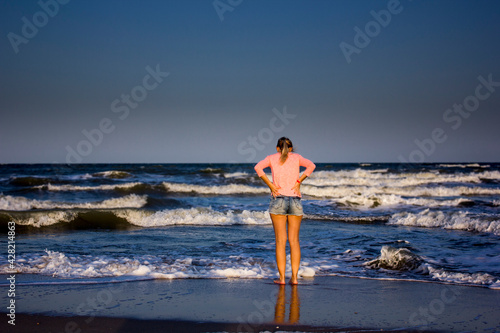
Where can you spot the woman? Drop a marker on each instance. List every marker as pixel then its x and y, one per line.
pixel 285 207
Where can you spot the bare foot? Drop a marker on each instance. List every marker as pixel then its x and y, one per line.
pixel 293 282
pixel 281 282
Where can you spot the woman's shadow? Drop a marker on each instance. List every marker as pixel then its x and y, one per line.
pixel 280 308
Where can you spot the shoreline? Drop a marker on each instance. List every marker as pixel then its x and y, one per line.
pixel 320 304
pixel 29 323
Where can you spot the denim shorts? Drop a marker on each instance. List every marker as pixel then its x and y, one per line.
pixel 282 205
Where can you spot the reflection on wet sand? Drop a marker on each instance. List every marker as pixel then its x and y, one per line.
pixel 280 308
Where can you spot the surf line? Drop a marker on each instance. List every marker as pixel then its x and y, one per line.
pixel 122 105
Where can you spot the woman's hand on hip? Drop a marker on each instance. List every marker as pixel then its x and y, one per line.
pixel 296 188
pixel 274 189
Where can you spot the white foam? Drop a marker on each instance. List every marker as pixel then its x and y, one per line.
pixel 381 178
pixel 398 259
pixel 216 189
pixel 238 272
pixel 61 265
pixel 51 187
pixel 211 170
pixel 437 191
pixel 384 201
pixel 113 174
pixel 141 271
pixel 12 203
pixel 45 219
pixel 471 165
pixel 465 278
pixel 456 221
pixel 237 175
pixel 193 216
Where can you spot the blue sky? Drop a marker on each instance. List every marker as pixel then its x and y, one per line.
pixel 190 81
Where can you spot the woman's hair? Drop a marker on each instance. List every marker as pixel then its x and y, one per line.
pixel 285 145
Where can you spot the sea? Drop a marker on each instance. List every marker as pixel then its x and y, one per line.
pixel 100 223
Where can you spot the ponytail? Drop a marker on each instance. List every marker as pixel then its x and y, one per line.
pixel 284 144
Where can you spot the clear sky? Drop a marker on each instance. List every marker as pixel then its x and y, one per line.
pixel 220 81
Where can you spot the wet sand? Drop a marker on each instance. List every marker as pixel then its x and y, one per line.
pixel 322 304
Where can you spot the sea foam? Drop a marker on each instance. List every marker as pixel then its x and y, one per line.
pixel 456 220
pixel 193 216
pixel 12 203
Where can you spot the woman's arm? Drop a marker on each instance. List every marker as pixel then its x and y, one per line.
pixel 296 187
pixel 259 168
pixel 274 189
pixel 310 166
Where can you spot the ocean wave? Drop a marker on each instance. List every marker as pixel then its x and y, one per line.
pixel 455 221
pixel 40 219
pixel 351 191
pixel 214 189
pixel 30 180
pixel 399 259
pixel 140 267
pixel 58 264
pixel 11 203
pixel 437 191
pixel 483 279
pixel 382 178
pixel 403 259
pixel 193 216
pixel 106 187
pixel 211 170
pixel 113 174
pixel 385 201
pixel 470 165
pixel 128 217
pixel 364 219
pixel 237 175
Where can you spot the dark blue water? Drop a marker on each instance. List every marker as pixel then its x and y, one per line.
pixel 430 222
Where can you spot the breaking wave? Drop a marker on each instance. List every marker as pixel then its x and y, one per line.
pixel 436 191
pixel 113 174
pixel 59 264
pixel 455 221
pixel 193 216
pixel 126 217
pixel 403 259
pixel 399 259
pixel 11 203
pixel 105 187
pixel 215 189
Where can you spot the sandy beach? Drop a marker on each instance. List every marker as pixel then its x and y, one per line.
pixel 321 304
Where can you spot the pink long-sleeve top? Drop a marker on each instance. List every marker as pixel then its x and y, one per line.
pixel 285 175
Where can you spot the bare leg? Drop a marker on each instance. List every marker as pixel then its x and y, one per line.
pixel 279 224
pixel 293 239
